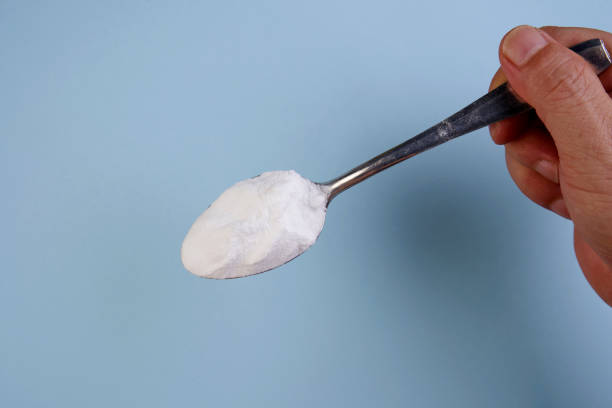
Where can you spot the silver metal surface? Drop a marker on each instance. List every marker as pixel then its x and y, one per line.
pixel 497 105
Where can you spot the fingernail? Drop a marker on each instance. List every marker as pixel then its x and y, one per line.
pixel 547 169
pixel 522 43
pixel 559 208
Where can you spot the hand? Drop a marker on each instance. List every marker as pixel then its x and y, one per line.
pixel 561 155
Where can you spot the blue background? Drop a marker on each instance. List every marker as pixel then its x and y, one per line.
pixel 436 283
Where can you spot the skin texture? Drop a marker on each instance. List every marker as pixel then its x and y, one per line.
pixel 560 157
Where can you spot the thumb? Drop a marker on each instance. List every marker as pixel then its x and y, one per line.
pixel 564 90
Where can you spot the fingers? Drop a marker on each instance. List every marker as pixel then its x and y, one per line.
pixel 536 150
pixel 506 130
pixel 509 129
pixel 536 187
pixel 567 146
pixel 566 94
pixel 534 166
pixel 569 36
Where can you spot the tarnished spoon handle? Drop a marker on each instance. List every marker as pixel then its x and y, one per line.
pixel 501 103
pixel 498 104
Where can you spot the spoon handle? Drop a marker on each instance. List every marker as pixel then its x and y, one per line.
pixel 500 103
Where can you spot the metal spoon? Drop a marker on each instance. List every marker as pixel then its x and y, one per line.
pixel 499 104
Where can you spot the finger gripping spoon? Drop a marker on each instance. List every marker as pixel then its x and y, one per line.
pixel 501 103
pixel 263 222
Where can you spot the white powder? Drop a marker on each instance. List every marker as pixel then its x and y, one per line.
pixel 255 225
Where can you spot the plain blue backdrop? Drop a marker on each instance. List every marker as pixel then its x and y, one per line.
pixel 435 283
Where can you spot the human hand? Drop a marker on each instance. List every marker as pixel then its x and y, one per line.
pixel 561 155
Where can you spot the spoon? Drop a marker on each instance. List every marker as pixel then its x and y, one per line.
pixel 499 104
pixel 264 222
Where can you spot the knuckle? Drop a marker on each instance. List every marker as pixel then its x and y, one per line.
pixel 568 83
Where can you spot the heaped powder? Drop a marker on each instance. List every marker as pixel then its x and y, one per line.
pixel 255 225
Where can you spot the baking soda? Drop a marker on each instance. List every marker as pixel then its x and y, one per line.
pixel 255 225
